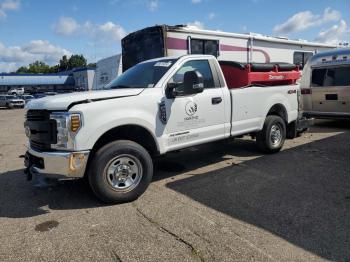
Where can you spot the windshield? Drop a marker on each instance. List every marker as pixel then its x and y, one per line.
pixel 142 75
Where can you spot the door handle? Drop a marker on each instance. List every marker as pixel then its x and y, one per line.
pixel 216 100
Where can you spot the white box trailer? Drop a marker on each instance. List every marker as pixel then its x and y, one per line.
pixel 107 69
pixel 164 40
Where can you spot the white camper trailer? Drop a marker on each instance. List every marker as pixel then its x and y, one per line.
pixel 106 70
pixel 163 40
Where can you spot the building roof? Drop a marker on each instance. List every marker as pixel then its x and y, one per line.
pixel 36 79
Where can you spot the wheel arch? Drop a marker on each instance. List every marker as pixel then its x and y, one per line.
pixel 279 110
pixel 132 132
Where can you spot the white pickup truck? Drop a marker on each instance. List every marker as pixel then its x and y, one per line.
pixel 155 107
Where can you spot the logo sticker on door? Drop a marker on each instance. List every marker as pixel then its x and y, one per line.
pixel 191 108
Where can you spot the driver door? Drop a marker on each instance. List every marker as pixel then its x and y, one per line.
pixel 195 118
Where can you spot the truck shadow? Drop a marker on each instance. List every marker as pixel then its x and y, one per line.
pixel 19 199
pixel 301 195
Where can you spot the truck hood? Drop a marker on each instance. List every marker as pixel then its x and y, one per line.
pixel 66 101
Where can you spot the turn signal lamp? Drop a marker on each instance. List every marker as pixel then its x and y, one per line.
pixel 75 123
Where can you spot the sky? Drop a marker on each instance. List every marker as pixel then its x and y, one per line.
pixel 45 30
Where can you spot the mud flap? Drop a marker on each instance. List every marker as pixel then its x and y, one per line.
pixel 28 166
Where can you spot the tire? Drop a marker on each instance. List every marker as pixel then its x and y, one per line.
pixel 269 142
pixel 118 162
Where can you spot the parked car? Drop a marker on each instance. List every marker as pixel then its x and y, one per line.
pixel 26 98
pixel 39 95
pixel 50 93
pixel 325 85
pixel 155 107
pixel 16 91
pixel 10 101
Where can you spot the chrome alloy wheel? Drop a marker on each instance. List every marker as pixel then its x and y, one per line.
pixel 124 173
pixel 276 135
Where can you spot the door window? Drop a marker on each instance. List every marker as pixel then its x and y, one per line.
pixel 202 66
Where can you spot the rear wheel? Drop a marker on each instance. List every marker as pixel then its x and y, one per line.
pixel 271 138
pixel 120 172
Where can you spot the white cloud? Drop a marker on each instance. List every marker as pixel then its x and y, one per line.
pixel 8 67
pixel 153 5
pixel 305 20
pixel 68 26
pixel 112 31
pixel 196 25
pixel 12 57
pixel 8 5
pixel 336 34
pixel 196 1
pixel 211 15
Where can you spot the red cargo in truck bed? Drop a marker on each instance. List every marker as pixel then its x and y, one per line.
pixel 239 75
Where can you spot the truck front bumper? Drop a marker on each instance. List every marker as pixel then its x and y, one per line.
pixel 56 165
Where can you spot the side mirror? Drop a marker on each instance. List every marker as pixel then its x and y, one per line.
pixel 193 83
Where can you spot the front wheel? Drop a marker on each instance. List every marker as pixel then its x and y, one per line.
pixel 120 172
pixel 271 138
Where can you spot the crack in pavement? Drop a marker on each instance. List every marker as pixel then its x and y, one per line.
pixel 116 256
pixel 195 252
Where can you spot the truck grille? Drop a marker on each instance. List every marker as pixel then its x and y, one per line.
pixel 37 115
pixel 43 130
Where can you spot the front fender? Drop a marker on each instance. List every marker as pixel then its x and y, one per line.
pixel 100 117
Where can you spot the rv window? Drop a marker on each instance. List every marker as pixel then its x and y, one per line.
pixel 339 76
pixel 300 58
pixel 202 66
pixel 197 46
pixel 318 77
pixel 205 47
pixel 331 77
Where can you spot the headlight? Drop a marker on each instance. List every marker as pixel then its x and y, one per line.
pixel 68 125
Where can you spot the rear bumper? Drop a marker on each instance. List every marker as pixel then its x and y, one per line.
pixel 327 115
pixel 304 123
pixel 16 105
pixel 57 165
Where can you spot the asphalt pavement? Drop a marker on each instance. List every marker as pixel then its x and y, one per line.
pixel 223 201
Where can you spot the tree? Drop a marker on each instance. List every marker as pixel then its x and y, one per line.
pixel 38 67
pixel 55 69
pixel 77 61
pixel 92 65
pixel 22 70
pixel 63 65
